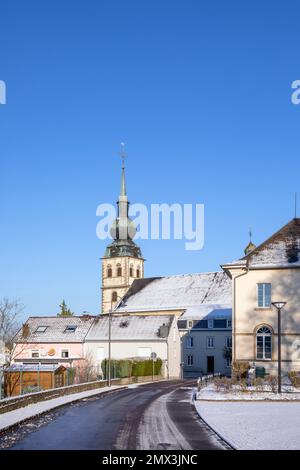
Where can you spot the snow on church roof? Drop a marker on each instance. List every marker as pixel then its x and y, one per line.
pixel 177 292
pixel 205 312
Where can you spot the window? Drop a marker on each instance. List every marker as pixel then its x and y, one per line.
pixel 210 342
pixel 190 323
pixel 41 329
pixel 100 354
pixel 138 272
pixel 114 296
pixel 181 324
pixel 210 324
pixel 220 323
pixel 264 343
pixel 131 271
pixel 190 360
pixel 119 270
pixel 35 353
pixel 228 342
pixel 70 329
pixel 144 352
pixel 109 271
pixel 201 324
pixel 229 323
pixel 189 341
pixel 64 353
pixel 228 362
pixel 264 295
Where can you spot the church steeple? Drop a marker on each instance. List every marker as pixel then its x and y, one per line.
pixel 122 261
pixel 250 247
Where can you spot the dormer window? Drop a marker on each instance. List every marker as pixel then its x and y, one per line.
pixel 70 329
pixel 41 329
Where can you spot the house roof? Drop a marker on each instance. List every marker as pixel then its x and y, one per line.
pixel 55 330
pixel 129 327
pixel 280 250
pixel 176 292
pixel 207 312
pixel 34 368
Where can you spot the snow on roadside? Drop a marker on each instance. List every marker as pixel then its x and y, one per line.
pixel 21 414
pixel 210 393
pixel 254 425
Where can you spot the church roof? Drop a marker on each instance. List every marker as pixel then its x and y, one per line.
pixel 177 292
pixel 205 312
pixel 129 327
pixel 280 250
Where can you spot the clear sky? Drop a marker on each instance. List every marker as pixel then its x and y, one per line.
pixel 200 91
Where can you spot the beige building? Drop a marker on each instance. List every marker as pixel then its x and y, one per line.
pixel 267 273
pixel 123 261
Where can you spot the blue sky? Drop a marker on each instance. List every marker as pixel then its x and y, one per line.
pixel 200 91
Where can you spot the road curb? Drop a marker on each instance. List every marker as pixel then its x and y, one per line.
pixel 55 407
pixel 228 443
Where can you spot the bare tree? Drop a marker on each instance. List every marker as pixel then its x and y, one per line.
pixel 10 311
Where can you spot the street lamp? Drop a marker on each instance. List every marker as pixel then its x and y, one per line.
pixel 109 337
pixel 279 306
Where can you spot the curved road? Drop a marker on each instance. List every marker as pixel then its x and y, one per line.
pixel 156 416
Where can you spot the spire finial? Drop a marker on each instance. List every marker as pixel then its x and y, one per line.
pixel 123 155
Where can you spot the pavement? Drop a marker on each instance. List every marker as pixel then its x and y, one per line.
pixel 156 416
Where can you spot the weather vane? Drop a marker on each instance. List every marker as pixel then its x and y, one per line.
pixel 123 154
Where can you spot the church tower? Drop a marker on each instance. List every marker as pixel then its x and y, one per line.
pixel 122 262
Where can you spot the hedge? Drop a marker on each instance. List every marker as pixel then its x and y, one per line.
pixel 131 367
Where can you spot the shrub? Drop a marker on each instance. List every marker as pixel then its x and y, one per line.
pixel 258 383
pixel 239 369
pixel 131 368
pixel 294 378
pixel 272 381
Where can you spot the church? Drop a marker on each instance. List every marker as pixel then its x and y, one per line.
pixel 197 307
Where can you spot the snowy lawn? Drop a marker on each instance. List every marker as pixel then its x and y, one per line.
pixel 254 425
pixel 211 393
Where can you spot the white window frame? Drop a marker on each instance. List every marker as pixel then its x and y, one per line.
pixel 190 360
pixel 35 351
pixel 229 323
pixel 264 284
pixel 264 336
pixel 210 342
pixel 228 362
pixel 189 342
pixel 228 341
pixel 210 323
pixel 41 326
pixel 148 349
pixel 190 324
pixel 63 350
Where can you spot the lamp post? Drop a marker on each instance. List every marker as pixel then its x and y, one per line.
pixel 279 306
pixel 109 340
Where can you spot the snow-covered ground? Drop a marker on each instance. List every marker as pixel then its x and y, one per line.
pixel 210 393
pixel 252 424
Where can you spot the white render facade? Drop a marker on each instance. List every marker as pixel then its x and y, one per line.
pixel 136 337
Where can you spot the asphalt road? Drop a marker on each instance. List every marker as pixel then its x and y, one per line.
pixel 156 416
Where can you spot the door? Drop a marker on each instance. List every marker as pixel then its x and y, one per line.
pixel 210 364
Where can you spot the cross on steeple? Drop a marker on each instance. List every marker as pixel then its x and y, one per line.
pixel 123 154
